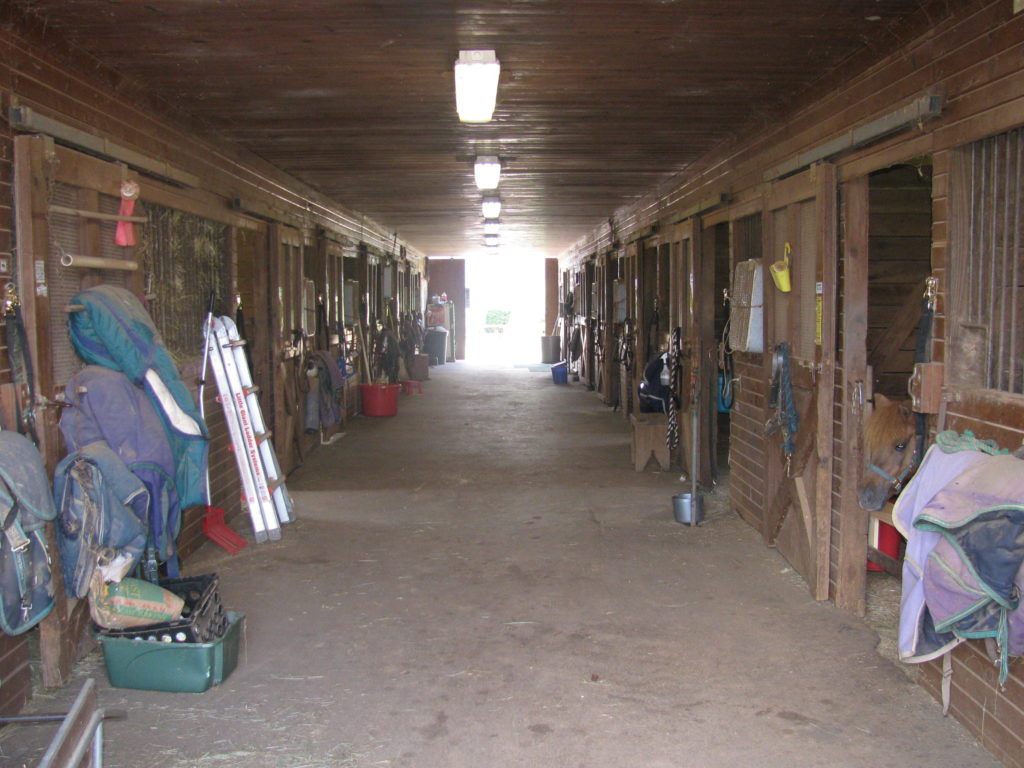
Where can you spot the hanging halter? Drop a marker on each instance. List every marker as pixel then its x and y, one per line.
pixel 896 482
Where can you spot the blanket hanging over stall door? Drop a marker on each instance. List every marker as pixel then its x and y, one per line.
pixel 962 573
pixel 115 331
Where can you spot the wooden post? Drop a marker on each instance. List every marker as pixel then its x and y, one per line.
pixel 821 532
pixel 853 521
pixel 32 155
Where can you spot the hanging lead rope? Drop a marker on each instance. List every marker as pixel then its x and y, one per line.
pixel 675 368
pixel 785 416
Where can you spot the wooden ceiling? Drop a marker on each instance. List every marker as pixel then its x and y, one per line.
pixel 599 100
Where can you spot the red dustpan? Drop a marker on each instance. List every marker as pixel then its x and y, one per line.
pixel 214 526
pixel 220 532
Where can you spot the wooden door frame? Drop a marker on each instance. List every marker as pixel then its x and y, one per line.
pixel 851 574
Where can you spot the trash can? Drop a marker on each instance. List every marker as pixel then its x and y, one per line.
pixel 550 349
pixel 435 344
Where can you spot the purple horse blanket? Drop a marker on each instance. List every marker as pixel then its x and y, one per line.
pixel 962 577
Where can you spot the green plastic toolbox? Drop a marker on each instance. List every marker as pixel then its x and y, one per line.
pixel 173 667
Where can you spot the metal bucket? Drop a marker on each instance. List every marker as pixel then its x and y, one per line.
pixel 688 508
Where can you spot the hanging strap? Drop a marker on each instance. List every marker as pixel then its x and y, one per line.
pixel 21 363
pixel 947 680
pixel 922 354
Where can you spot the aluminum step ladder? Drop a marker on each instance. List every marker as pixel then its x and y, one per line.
pixel 263 485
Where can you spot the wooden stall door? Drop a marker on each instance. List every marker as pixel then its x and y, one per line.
pixel 801 220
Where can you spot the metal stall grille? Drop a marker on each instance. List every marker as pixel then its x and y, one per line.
pixel 991 293
pixel 184 257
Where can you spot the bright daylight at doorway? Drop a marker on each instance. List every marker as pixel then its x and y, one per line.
pixel 505 309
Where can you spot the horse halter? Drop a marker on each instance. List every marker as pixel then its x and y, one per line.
pixel 896 483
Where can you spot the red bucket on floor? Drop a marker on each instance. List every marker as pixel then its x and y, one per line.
pixel 380 399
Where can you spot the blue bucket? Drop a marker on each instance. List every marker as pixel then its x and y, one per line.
pixel 560 373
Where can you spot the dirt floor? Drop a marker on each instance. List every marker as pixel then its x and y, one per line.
pixel 484 580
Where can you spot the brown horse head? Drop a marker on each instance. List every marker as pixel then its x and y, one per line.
pixel 889 454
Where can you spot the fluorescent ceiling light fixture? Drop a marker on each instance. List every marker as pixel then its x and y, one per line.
pixel 491 207
pixel 476 85
pixel 490 240
pixel 491 226
pixel 487 172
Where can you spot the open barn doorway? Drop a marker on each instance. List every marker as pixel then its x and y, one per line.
pixel 505 309
pixel 899 263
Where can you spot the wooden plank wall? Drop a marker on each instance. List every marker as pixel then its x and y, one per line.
pixel 747 443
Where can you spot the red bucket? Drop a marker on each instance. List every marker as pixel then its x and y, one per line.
pixel 886 539
pixel 380 399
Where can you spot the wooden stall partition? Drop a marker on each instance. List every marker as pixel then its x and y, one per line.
pixel 800 230
pixel 680 314
pixel 826 313
pixel 589 369
pixel 703 344
pixel 747 441
pixel 35 158
pixel 629 359
pixel 286 339
pixel 851 526
pixel 614 308
pixel 331 314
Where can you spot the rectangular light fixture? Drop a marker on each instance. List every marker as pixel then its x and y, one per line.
pixel 491 241
pixel 491 226
pixel 487 171
pixel 476 85
pixel 491 207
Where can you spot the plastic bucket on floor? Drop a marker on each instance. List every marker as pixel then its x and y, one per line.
pixel 560 373
pixel 380 399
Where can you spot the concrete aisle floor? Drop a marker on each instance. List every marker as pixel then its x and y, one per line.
pixel 484 582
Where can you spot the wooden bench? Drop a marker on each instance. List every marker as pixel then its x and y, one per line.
pixel 649 437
